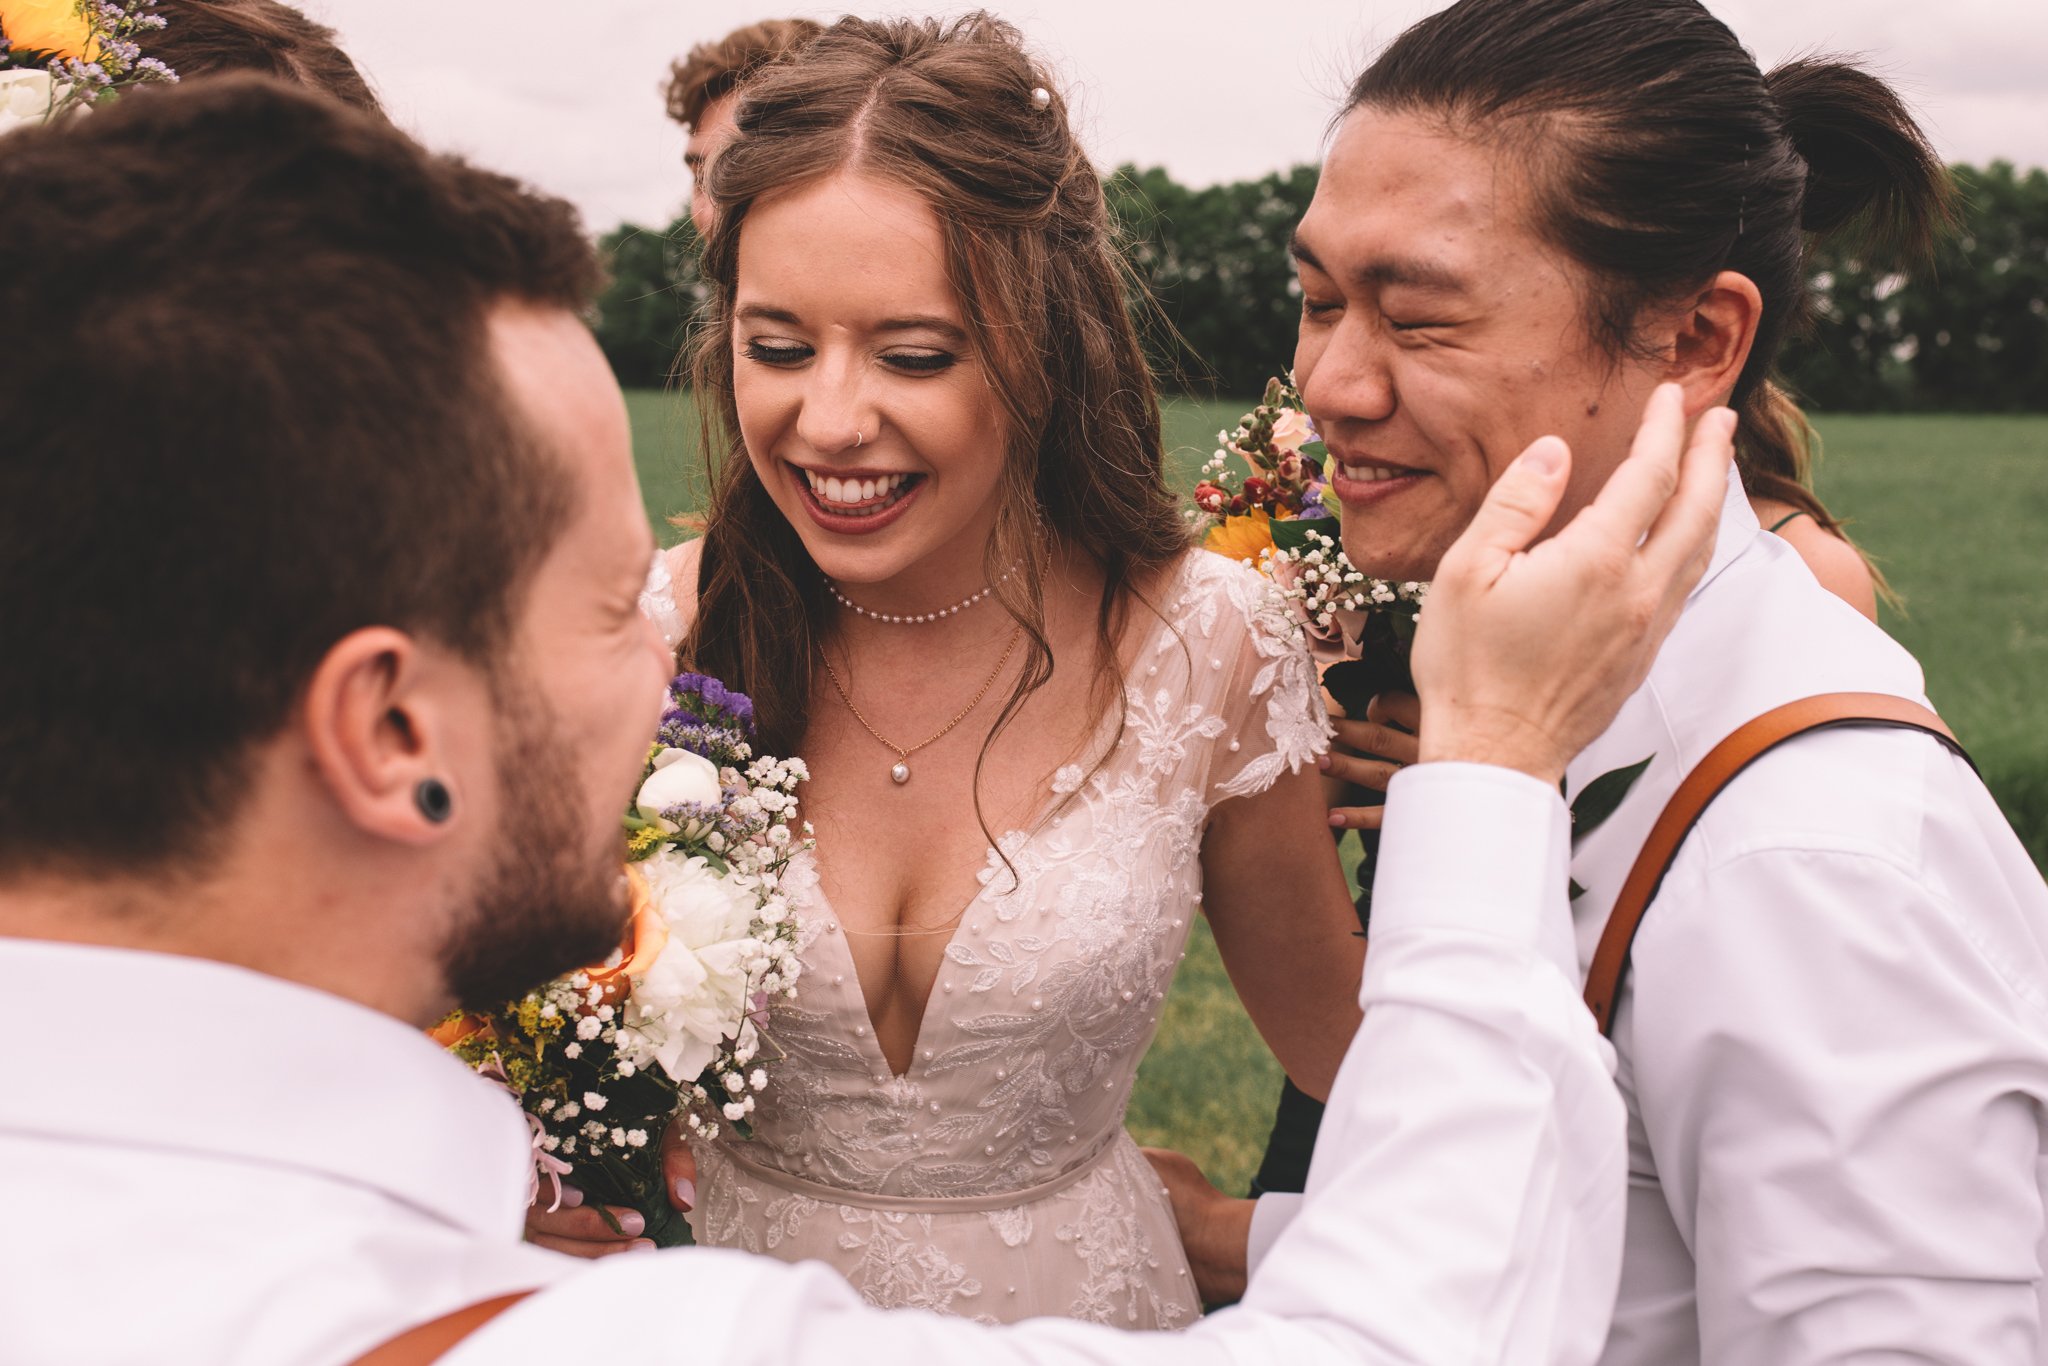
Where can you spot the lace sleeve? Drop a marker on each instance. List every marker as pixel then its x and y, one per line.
pixel 1266 689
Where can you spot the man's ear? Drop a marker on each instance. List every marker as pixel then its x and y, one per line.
pixel 1712 339
pixel 377 731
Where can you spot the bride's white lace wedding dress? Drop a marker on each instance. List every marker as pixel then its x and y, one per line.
pixel 994 1179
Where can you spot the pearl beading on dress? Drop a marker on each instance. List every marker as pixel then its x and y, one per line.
pixel 917 619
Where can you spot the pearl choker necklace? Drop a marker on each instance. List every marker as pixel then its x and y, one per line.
pixel 917 619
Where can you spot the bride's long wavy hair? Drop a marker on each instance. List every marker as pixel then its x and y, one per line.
pixel 946 110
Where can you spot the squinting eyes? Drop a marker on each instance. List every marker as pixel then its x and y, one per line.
pixel 909 362
pixel 1318 312
pixel 920 362
pixel 775 355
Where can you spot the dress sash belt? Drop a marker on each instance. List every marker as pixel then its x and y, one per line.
pixel 914 1204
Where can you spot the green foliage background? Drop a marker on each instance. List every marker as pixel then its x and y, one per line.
pixel 1953 507
pixel 1968 335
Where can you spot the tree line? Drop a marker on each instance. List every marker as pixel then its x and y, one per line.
pixel 1969 334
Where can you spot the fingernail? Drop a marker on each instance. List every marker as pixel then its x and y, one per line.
pixel 1546 457
pixel 1323 762
pixel 640 1245
pixel 1336 820
pixel 686 1192
pixel 631 1222
pixel 571 1197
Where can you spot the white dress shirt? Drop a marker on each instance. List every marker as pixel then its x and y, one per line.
pixel 211 1166
pixel 1834 1038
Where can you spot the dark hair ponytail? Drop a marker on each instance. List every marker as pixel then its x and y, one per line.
pixel 1872 179
pixel 1662 156
pixel 1873 184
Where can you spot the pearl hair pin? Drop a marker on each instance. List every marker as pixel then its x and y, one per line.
pixel 1041 97
pixel 915 619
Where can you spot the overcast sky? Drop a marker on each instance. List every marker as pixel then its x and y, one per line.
pixel 567 93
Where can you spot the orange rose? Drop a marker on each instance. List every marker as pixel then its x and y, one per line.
pixel 53 26
pixel 646 936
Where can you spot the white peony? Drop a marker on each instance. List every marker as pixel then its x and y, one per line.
pixel 679 777
pixel 695 995
pixel 25 97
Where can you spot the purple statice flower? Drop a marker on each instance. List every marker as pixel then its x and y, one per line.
pixel 718 743
pixel 685 814
pixel 709 700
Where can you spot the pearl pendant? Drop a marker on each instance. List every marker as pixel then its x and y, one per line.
pixel 900 774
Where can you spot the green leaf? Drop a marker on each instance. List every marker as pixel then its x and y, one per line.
pixel 1602 797
pixel 1352 683
pixel 1293 534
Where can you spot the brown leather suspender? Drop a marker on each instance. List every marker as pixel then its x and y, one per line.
pixel 1749 743
pixel 429 1342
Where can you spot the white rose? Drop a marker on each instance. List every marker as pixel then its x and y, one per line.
pixel 1292 430
pixel 694 997
pixel 25 97
pixel 679 777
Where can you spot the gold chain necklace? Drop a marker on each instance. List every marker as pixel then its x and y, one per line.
pixel 900 772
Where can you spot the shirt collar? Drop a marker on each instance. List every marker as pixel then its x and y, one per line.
pixel 1738 531
pixel 1638 729
pixel 155 1051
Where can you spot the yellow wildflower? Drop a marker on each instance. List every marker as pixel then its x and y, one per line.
pixel 1248 536
pixel 58 27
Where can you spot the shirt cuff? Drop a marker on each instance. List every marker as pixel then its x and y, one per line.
pixel 1272 1212
pixel 1476 848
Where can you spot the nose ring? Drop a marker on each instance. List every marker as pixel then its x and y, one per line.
pixel 857 438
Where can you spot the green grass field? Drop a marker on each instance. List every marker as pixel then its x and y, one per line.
pixel 1954 508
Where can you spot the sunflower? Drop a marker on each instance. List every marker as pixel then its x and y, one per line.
pixel 58 27
pixel 1247 536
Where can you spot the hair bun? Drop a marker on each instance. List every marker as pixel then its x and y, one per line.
pixel 1871 174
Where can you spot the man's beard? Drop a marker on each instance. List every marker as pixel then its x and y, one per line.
pixel 552 899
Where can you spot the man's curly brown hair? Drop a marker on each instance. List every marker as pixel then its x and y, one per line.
pixel 711 71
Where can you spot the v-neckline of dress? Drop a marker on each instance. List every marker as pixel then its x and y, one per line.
pixel 869 1036
pixel 836 927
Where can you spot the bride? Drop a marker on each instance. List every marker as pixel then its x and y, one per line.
pixel 1044 734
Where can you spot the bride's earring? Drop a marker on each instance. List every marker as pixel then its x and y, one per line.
pixel 432 798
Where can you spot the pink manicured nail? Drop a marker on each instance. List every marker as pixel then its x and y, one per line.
pixel 1336 820
pixel 686 1192
pixel 1323 762
pixel 571 1197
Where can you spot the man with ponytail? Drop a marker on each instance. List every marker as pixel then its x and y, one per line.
pixel 1833 1031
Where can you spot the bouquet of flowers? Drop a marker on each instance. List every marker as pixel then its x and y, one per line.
pixel 1263 499
pixel 1239 513
pixel 672 1027
pixel 64 54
